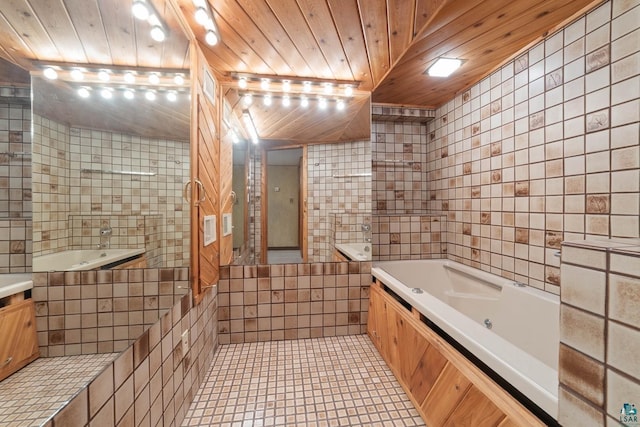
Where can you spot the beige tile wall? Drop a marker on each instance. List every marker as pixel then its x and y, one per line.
pixel 62 188
pixel 291 301
pixel 543 150
pixel 599 331
pixel 408 237
pixel 15 245
pixel 15 149
pixel 344 195
pixel 152 382
pixel 102 311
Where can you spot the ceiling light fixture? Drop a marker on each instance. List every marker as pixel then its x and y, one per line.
pixel 328 88
pixel 286 101
pixel 129 77
pixel 242 83
pixel 106 93
pixel 50 73
pixel 286 85
pixel 204 17
pixel 179 79
pixel 348 90
pixel 129 94
pixel 157 33
pixel 76 74
pixel 103 76
pixel 154 79
pixel 150 95
pixel 172 96
pixel 83 92
pixel 322 103
pixel 304 101
pixel 247 99
pixel 266 100
pixel 264 84
pixel 250 126
pixel 444 67
pixel 306 86
pixel 340 105
pixel 140 10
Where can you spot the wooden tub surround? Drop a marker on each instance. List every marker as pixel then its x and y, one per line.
pixel 19 345
pixel 446 388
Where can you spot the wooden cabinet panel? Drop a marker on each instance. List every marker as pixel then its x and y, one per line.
pixel 447 389
pixel 426 373
pixel 19 345
pixel 476 410
pixel 445 396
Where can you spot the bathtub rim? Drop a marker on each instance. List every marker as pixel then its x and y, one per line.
pixel 19 282
pixel 353 252
pixel 113 255
pixel 515 362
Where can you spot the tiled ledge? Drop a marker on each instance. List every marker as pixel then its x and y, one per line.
pixel 399 113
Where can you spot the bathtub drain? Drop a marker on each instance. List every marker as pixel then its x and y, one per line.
pixel 488 323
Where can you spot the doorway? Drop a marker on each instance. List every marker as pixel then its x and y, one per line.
pixel 285 206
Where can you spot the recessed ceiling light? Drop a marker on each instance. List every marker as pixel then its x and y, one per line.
pixel 266 100
pixel 306 86
pixel 172 96
pixel 106 93
pixel 264 84
pixel 348 90
pixel 328 88
pixel 286 85
pixel 444 67
pixel 247 99
pixel 50 73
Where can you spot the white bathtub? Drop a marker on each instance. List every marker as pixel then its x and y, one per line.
pixel 522 344
pixel 355 251
pixel 82 259
pixel 14 283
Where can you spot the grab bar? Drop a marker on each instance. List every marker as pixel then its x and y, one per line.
pixel 353 175
pixel 116 172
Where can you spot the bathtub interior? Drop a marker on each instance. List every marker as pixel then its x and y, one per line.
pixel 82 259
pixel 522 344
pixel 356 251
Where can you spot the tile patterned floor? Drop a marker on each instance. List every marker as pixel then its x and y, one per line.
pixel 335 381
pixel 33 394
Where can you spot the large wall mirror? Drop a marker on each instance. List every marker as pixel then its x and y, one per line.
pixel 306 185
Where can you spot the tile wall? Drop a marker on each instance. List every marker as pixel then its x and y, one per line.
pixel 332 188
pixel 599 332
pixel 152 382
pixel 347 228
pixel 102 311
pixel 63 186
pixel 544 150
pixel 15 180
pixel 291 301
pixel 409 237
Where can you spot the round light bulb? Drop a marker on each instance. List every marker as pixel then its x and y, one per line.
pixel 76 75
pixel 286 85
pixel 106 94
pixel 242 83
pixel 178 79
pixel 264 84
pixel 83 92
pixel 129 94
pixel 286 101
pixel 154 79
pixel 140 10
pixel 103 76
pixel 211 38
pixel 172 96
pixel 50 73
pixel 150 95
pixel 340 105
pixel 348 90
pixel 304 101
pixel 328 88
pixel 157 33
pixel 322 103
pixel 129 77
pixel 202 17
pixel 266 100
pixel 306 86
pixel 247 99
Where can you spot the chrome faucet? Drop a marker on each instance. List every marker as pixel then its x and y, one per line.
pixel 105 236
pixel 366 231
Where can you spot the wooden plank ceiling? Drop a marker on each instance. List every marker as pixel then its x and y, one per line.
pixel 382 46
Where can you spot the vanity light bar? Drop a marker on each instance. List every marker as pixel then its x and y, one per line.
pixel 269 99
pixel 250 126
pixel 295 85
pixel 144 11
pixel 204 16
pixel 129 93
pixel 90 74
